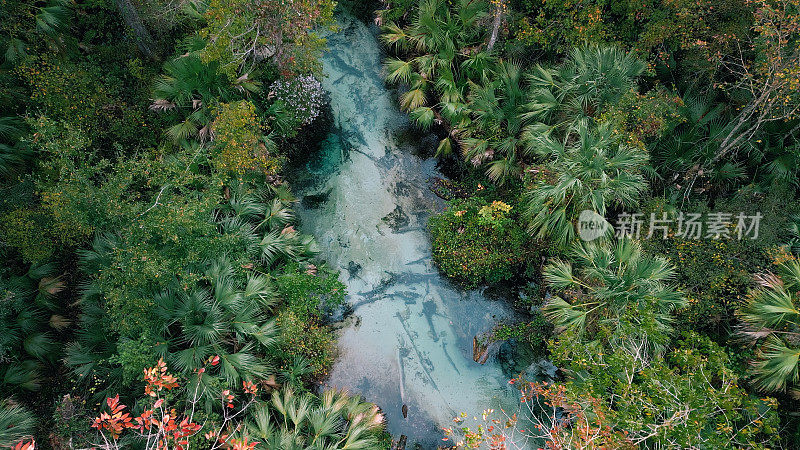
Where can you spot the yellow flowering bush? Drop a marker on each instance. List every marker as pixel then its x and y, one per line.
pixel 238 138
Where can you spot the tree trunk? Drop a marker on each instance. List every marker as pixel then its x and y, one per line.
pixel 144 40
pixel 498 20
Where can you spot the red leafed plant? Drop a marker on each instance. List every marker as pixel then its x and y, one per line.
pixel 115 421
pixel 162 427
pixel 552 420
pixel 22 445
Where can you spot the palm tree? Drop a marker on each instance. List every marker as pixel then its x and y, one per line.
pixel 592 77
pixel 224 313
pixel 496 133
pixel 592 172
pixel 189 89
pixel 263 219
pixel 793 228
pixel 27 344
pixel 35 24
pixel 293 421
pixel 16 424
pixel 771 321
pixel 52 19
pixel 682 157
pixel 14 153
pixel 96 342
pixel 214 309
pixel 297 370
pixel 227 317
pixel 444 53
pixel 613 294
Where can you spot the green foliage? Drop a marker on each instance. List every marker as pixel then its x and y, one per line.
pixel 771 319
pixel 395 11
pixel 30 25
pixel 27 231
pixel 473 248
pixel 195 252
pixel 174 229
pixel 332 420
pixel 14 152
pixel 691 398
pixel 188 91
pixel 613 296
pixel 303 340
pixel 224 313
pixel 71 193
pixel 717 274
pixel 32 320
pixel 591 172
pixel 240 146
pixel 133 356
pixel 241 33
pixel 16 423
pixel 681 36
pixel 296 102
pixel 678 156
pixel 686 159
pixel 79 93
pixel 497 108
pixel 642 118
pixel 436 71
pixel 310 295
pixel 581 88
pixel 179 241
pixel 535 332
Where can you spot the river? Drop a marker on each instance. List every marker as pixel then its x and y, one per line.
pixel 366 199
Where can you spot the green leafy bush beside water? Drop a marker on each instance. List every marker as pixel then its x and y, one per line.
pixel 310 291
pixel 475 242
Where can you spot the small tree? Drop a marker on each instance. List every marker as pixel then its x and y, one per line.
pixel 766 69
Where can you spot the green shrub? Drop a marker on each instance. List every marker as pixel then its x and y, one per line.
pixel 476 243
pixel 310 295
pixel 80 94
pixel 716 274
pixel 304 339
pixel 27 231
pixel 535 332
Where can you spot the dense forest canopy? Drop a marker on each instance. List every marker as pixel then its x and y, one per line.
pixel 158 290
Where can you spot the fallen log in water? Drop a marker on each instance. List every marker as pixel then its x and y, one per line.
pixel 483 347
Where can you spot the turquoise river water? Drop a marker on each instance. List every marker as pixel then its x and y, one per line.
pixel 367 201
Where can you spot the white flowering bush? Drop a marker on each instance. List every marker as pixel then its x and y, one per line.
pixel 301 100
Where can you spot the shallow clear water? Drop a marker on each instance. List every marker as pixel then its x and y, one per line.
pixel 367 200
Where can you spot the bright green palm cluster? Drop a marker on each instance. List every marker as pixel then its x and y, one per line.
pixel 292 421
pixel 771 319
pixel 613 295
pixel 590 170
